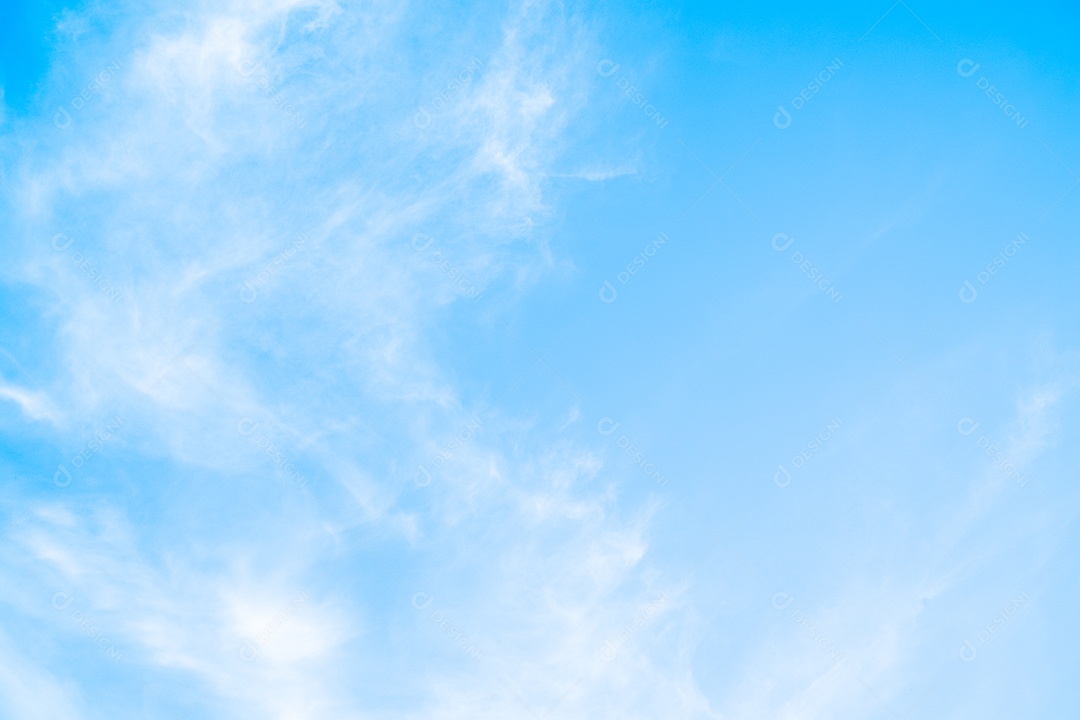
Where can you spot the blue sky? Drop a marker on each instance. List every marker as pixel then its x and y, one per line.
pixel 469 360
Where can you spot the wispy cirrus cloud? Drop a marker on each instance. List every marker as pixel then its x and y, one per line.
pixel 250 182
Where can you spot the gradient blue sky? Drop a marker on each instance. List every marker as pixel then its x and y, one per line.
pixel 538 360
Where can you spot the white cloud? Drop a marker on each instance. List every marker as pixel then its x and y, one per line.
pixel 185 178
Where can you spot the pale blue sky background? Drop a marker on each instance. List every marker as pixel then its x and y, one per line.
pixel 314 402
